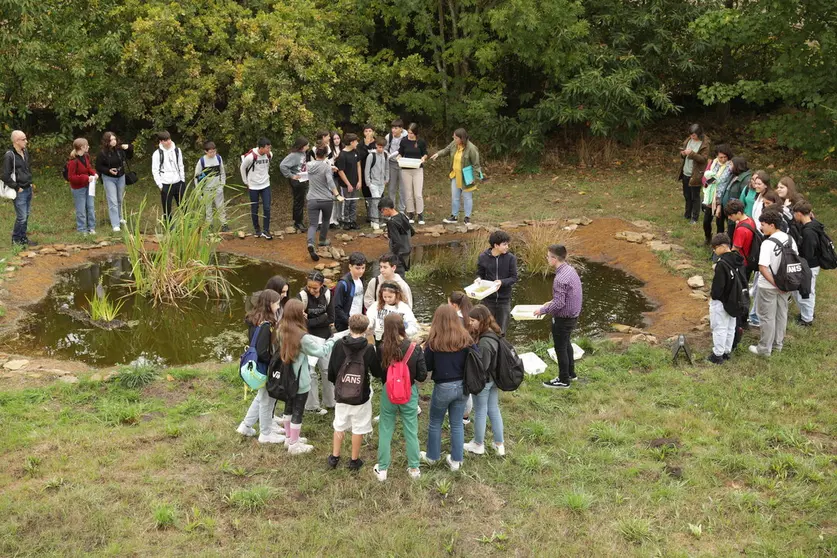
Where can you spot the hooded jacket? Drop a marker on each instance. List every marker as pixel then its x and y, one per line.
pixel 18 165
pixel 502 267
pixel 320 313
pixel 810 246
pixel 320 181
pixel 344 294
pixel 724 280
pixel 79 171
pixel 171 170
pixel 349 345
pixel 736 187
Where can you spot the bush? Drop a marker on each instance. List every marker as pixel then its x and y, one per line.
pixel 136 376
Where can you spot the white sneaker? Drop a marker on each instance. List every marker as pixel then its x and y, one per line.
pixel 123 221
pixel 466 421
pixel 376 226
pixel 418 411
pixel 318 411
pixel 117 229
pixel 473 447
pixel 245 430
pixel 302 440
pixel 299 448
pixel 500 449
pixel 755 350
pixel 271 438
pixel 376 419
pixel 454 465
pixel 414 473
pixel 382 475
pixel 278 425
pixel 91 231
pixel 424 459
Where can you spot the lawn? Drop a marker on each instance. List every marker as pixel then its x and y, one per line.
pixel 640 458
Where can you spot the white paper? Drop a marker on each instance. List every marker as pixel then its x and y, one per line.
pixel 303 176
pixel 92 187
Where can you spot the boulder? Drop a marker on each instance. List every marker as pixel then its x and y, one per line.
pixel 241 234
pixel 290 230
pixel 698 295
pixel 630 236
pixel 16 364
pixel 320 266
pixel 640 224
pixel 29 254
pixel 472 227
pixel 345 237
pixel 622 328
pixel 657 246
pixel 695 282
pixel 435 235
pixel 440 229
pixel 462 229
pixel 643 338
pixel 48 250
pixel 570 228
pixel 647 236
pixel 104 244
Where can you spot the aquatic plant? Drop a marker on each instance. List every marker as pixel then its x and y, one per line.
pixel 532 244
pixel 102 308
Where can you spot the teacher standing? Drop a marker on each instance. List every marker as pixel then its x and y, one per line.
pixel 413 147
pixel 464 173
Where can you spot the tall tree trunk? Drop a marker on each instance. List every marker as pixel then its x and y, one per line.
pixel 441 64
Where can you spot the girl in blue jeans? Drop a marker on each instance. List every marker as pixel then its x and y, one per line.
pixel 445 353
pixel 486 331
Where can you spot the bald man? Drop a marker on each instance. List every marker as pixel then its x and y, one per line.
pixel 17 174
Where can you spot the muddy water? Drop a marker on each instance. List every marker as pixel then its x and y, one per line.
pixel 206 329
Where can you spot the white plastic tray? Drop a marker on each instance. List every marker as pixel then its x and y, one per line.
pixel 481 289
pixel 407 163
pixel 523 312
pixel 578 352
pixel 532 363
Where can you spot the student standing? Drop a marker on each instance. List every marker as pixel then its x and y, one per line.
pixel 413 147
pixel 319 312
pixel 399 231
pixel 17 175
pixel 352 361
pixel 348 294
pixel 564 308
pixel 255 173
pixel 336 145
pixel 377 169
pixel 388 266
pixel 716 179
pixel 486 332
pixel 210 172
pixel 110 164
pixel 809 249
pixel 393 143
pixel 445 353
pixel 695 154
pixel 396 349
pixel 321 193
pixel 723 308
pixel 296 345
pixel 390 301
pixel 294 169
pixel 348 169
pixel 499 265
pixel 464 174
pixel 80 174
pixel 261 321
pixel 169 173
pixel 741 175
pixel 771 304
pixel 364 148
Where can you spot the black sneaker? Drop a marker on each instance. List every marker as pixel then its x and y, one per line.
pixel 450 220
pixel 225 228
pixel 421 218
pixel 556 384
pixel 726 356
pixel 803 323
pixel 30 242
pixel 333 226
pixel 325 243
pixel 467 220
pixel 354 226
pixel 574 377
pixel 313 253
pixel 300 227
pixel 332 461
pixel 266 236
pixel 714 359
pixel 257 234
pixel 346 226
pixel 355 464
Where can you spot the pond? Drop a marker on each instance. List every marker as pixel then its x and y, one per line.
pixel 206 329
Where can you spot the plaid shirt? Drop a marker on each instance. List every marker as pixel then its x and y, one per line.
pixel 566 294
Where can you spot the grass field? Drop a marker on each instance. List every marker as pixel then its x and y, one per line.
pixel 640 458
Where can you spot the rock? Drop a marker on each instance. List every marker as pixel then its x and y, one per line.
pixel 345 237
pixel 549 222
pixel 647 236
pixel 462 229
pixel 48 250
pixel 378 232
pixel 699 295
pixel 290 230
pixel 472 227
pixel 638 338
pixel 622 328
pixel 570 228
pixel 29 254
pixel 64 254
pixel 657 246
pixel 630 236
pixel 16 364
pixel 69 379
pixel 320 266
pixel 433 229
pixel 695 282
pixel 511 225
pixel 97 377
pixel 104 243
pixel 336 253
pixel 705 319
pixel 640 224
pixel 241 235
pixel 435 235
pixel 333 265
pixel 61 247
pixel 683 267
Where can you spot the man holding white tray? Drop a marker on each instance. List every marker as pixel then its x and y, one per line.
pixel 498 265
pixel 564 308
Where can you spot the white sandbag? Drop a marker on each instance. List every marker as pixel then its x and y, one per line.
pixel 532 363
pixel 578 352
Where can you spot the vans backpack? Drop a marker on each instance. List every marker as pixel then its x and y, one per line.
pixel 790 276
pixel 738 299
pixel 282 382
pixel 474 372
pixel 251 370
pixel 399 385
pixel 348 385
pixel 509 371
pixel 828 257
pixel 755 247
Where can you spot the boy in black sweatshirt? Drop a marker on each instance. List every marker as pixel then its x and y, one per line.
pixel 809 249
pixel 399 231
pixel 353 359
pixel 723 305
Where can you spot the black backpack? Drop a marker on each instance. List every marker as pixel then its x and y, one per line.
pixel 508 373
pixel 474 372
pixel 348 385
pixel 282 383
pixel 828 257
pixel 738 298
pixel 755 247
pixel 793 269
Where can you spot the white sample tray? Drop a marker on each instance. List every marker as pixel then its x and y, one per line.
pixel 408 163
pixel 523 312
pixel 532 363
pixel 480 289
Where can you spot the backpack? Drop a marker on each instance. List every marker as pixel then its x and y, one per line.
pixel 65 170
pixel 474 381
pixel 303 296
pixel 755 247
pixel 399 386
pixel 790 276
pixel 176 158
pixel 255 152
pixel 828 257
pixel 509 371
pixel 374 159
pixel 253 372
pixel 348 385
pixel 739 296
pixel 8 192
pixel 214 171
pixel 282 382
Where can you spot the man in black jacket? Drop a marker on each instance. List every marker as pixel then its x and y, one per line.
pixel 498 265
pixel 810 250
pixel 723 306
pixel 17 175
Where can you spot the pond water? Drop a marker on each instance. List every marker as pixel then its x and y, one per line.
pixel 206 329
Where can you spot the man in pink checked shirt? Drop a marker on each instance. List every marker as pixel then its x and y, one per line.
pixel 564 308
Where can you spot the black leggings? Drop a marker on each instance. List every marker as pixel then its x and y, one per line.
pixel 295 407
pixel 708 215
pixel 299 190
pixel 691 194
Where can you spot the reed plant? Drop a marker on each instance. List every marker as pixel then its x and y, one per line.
pixel 183 263
pixel 531 245
pixel 102 308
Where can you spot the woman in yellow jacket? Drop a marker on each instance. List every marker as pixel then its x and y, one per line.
pixel 465 171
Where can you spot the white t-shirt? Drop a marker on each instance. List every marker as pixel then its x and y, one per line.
pixel 357 301
pixel 377 317
pixel 770 256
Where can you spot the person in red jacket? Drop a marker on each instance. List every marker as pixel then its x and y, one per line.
pixel 80 174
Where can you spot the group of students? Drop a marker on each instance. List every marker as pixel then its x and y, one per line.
pixel 773 248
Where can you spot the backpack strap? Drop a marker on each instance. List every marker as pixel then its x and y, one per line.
pixel 409 352
pixel 202 163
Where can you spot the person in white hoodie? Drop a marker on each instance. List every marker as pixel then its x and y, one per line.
pixel 396 184
pixel 169 173
pixel 387 265
pixel 390 301
pixel 210 170
pixel 255 172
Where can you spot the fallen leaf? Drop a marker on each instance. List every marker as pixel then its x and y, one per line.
pixel 169 377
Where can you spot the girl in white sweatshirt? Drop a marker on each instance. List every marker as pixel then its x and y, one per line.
pixel 390 301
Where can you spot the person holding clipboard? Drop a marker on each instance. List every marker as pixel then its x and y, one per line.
pixel 465 171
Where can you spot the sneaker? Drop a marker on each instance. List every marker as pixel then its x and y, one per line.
pixel 421 218
pixel 266 236
pixel 117 229
pixel 424 459
pixel 714 359
pixel 755 350
pixel 453 465
pixel 346 226
pixel 376 419
pixel 257 234
pixel 313 253
pixel 414 473
pixel 475 448
pixel 418 411
pixel 354 226
pixel 324 243
pixel 124 222
pixel 245 430
pixel 318 411
pixel 726 356
pixel 355 464
pixel 380 475
pixel 556 383
pixel 500 449
pixel 333 226
pixel 693 222
pixel 332 461
pixel 411 217
pixel 375 226
pixel 803 323
pixel 300 227
pixel 225 228
pixel 466 421
pixel 271 438
pixel 467 220
pixel 574 377
pixel 278 425
pixel 299 448
pixel 90 232
pixel 450 220
pixel 302 440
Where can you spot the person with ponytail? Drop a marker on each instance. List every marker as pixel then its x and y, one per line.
pixel 486 334
pixel 80 174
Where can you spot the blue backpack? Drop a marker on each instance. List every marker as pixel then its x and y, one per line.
pixel 253 372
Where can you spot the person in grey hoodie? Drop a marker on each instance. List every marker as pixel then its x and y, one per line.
pixel 294 169
pixel 377 172
pixel 169 173
pixel 321 194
